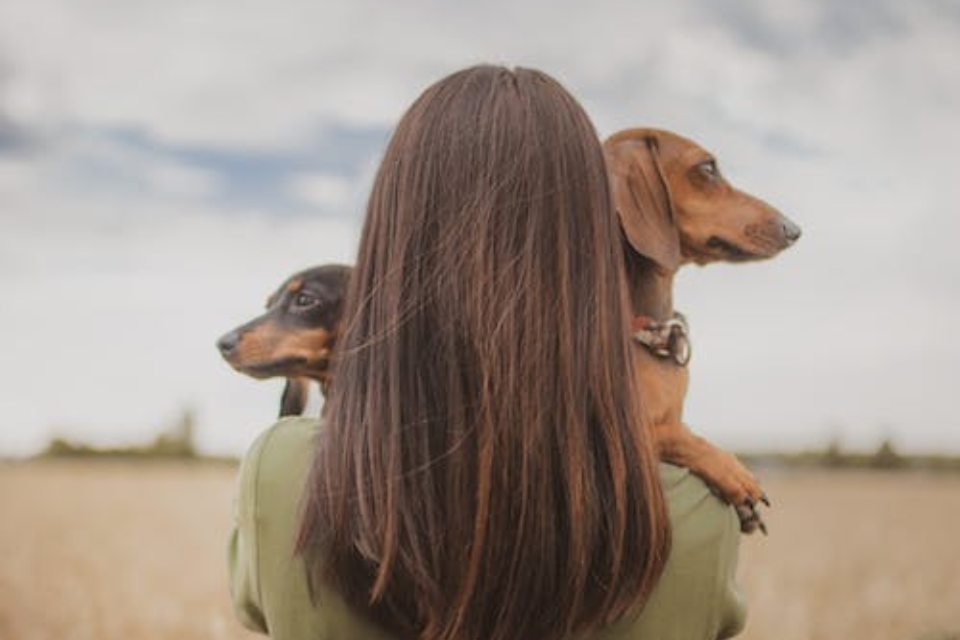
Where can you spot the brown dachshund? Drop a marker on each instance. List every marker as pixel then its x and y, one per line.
pixel 676 208
pixel 295 337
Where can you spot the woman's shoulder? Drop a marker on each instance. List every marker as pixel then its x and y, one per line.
pixel 697 595
pixel 694 509
pixel 280 455
pixel 269 582
pixel 273 472
pixel 290 433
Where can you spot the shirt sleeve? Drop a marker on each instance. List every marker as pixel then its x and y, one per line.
pixel 242 551
pixel 697 597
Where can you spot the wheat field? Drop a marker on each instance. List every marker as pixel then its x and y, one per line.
pixel 136 551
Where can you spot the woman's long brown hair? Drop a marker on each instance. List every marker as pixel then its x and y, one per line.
pixel 483 472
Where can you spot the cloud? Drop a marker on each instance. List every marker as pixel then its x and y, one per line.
pixel 163 166
pixel 113 165
pixel 12 138
pixel 323 190
pixel 186 73
pixel 117 321
pixel 179 181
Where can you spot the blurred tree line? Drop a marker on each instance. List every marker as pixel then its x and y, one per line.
pixel 885 457
pixel 175 441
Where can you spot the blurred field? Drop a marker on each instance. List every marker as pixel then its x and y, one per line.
pixel 135 551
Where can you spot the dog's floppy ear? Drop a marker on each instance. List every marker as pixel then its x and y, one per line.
pixel 643 201
pixel 294 399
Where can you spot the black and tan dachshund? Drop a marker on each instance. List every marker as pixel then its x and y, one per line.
pixel 294 339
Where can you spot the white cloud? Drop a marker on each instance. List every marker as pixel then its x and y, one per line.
pixel 16 174
pixel 327 192
pixel 176 180
pixel 117 325
pixel 854 137
pixel 223 74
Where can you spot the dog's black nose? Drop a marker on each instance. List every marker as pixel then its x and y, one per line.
pixel 229 342
pixel 791 231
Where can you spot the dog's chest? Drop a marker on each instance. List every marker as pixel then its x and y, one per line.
pixel 663 386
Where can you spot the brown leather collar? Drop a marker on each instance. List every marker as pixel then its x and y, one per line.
pixel 666 339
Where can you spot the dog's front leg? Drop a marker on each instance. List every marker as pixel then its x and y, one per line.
pixel 294 399
pixel 677 444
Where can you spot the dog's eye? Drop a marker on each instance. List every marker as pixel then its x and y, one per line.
pixel 708 168
pixel 305 301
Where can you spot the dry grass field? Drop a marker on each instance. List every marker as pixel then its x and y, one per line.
pixel 135 551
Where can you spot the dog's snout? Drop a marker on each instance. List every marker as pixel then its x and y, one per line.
pixel 228 342
pixel 791 231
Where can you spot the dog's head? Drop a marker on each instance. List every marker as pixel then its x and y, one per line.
pixel 296 335
pixel 676 207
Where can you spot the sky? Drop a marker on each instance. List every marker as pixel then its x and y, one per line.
pixel 165 165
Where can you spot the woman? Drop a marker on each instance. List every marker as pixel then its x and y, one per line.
pixel 481 471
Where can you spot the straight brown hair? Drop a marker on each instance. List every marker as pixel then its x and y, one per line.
pixel 482 472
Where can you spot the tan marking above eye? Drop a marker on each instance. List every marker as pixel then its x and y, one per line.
pixel 294 285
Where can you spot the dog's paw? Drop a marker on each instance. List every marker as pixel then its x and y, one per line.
pixel 749 514
pixel 722 471
pixel 733 482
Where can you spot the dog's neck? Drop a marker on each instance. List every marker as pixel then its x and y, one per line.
pixel 651 288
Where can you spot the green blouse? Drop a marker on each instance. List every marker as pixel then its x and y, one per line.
pixel 696 598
